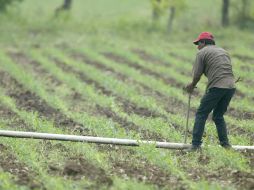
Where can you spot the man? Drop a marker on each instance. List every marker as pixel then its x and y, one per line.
pixel 215 64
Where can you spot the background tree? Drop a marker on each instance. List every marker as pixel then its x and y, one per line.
pixel 64 7
pixel 5 3
pixel 175 7
pixel 172 7
pixel 225 13
pixel 158 9
pixel 243 13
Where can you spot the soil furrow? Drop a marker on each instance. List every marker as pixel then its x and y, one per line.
pixel 127 106
pixel 24 176
pixel 126 167
pixel 228 177
pixel 29 101
pixel 22 59
pixel 8 162
pixel 244 58
pixel 144 70
pixel 6 115
pixel 73 167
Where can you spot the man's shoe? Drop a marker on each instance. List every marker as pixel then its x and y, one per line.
pixel 193 148
pixel 227 146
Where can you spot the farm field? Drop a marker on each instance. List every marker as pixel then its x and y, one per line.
pixel 66 78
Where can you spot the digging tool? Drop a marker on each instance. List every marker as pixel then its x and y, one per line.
pixel 187 119
pixel 103 140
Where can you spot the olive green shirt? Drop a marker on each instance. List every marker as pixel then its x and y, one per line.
pixel 215 63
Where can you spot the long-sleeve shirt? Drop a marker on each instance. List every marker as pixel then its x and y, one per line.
pixel 215 63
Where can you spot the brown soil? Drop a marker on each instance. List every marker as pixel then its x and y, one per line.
pixel 31 102
pixel 147 173
pixel 24 176
pixel 250 155
pixel 180 57
pixel 76 168
pixel 128 167
pixel 244 115
pixel 147 57
pixel 85 59
pixel 6 115
pixel 127 106
pixel 244 58
pixel 128 125
pixel 144 70
pixel 240 179
pixel 22 59
pixel 225 176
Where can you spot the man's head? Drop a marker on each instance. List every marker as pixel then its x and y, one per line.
pixel 205 38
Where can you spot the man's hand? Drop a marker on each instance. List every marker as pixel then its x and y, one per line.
pixel 189 88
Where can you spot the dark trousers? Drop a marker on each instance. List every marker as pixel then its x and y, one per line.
pixel 216 99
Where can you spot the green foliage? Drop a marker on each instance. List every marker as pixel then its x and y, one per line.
pixel 6 182
pixel 161 7
pixel 5 3
pixel 243 13
pixel 204 185
pixel 121 184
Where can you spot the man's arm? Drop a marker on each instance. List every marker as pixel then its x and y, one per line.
pixel 190 87
pixel 198 69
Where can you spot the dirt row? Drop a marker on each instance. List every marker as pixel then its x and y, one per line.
pixel 226 176
pixel 127 106
pixel 244 58
pixel 166 80
pixel 76 167
pixel 29 101
pixel 22 174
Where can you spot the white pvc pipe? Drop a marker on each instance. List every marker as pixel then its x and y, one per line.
pixel 101 140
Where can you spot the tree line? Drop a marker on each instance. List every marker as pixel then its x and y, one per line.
pixel 243 8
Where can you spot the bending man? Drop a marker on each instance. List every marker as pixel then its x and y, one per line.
pixel 214 62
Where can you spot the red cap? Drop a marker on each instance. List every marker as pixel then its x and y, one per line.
pixel 203 36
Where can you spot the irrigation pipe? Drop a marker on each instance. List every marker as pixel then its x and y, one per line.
pixel 102 140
